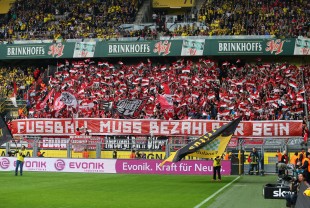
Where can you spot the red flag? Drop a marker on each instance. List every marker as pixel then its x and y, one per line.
pixel 292 84
pixel 48 96
pixel 166 88
pixel 165 101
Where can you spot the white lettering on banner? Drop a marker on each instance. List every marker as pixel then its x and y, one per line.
pixel 158 127
pixel 172 167
pixel 271 129
pixel 54 143
pixel 127 127
pixel 28 129
pixel 104 125
pixel 118 129
pixel 267 130
pixel 196 129
pixel 185 167
pixel 164 128
pixel 285 128
pixel 175 126
pixel 154 129
pixel 186 127
pixel 69 126
pixel 142 167
pixel 137 128
pixel 49 127
pixel 39 127
pixel 239 129
pixel 58 128
pixel 204 168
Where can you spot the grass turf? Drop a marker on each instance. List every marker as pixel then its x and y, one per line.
pixel 41 189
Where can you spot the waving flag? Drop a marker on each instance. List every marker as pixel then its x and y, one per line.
pixel 130 108
pixel 166 101
pixel 210 145
pixel 47 97
pixel 69 99
pixel 58 104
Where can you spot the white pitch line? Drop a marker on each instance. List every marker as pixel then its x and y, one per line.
pixel 213 195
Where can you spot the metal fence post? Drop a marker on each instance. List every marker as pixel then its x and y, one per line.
pixel 69 149
pixel 35 149
pixel 7 149
pixel 98 150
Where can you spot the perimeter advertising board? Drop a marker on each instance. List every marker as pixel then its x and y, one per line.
pixel 190 167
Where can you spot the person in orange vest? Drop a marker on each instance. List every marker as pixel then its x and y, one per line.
pixel 85 153
pixel 20 112
pixel 39 154
pixel 132 154
pixel 279 156
pixel 294 158
pixel 227 156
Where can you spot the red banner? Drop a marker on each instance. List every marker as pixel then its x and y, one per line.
pixel 100 126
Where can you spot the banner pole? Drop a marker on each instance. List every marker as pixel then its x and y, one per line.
pixel 239 158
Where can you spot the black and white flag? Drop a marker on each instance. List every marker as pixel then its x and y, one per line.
pixel 130 108
pixel 105 105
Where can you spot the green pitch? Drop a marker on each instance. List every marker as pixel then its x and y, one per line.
pixel 41 189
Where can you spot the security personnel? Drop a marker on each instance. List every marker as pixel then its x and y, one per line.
pixel 85 153
pixel 217 168
pixel 21 154
pixel 253 160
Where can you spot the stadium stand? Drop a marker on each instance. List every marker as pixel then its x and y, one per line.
pixel 202 89
pixel 105 19
pixel 220 88
pixel 264 17
pixel 71 19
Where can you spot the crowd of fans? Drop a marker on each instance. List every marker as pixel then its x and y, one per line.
pixel 23 77
pixel 36 19
pixel 200 89
pixel 283 18
pixel 101 19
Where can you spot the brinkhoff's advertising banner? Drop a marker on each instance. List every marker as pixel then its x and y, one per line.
pixel 193 167
pixel 156 48
pixel 101 126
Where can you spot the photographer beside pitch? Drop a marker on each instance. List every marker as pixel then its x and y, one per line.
pixel 21 154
